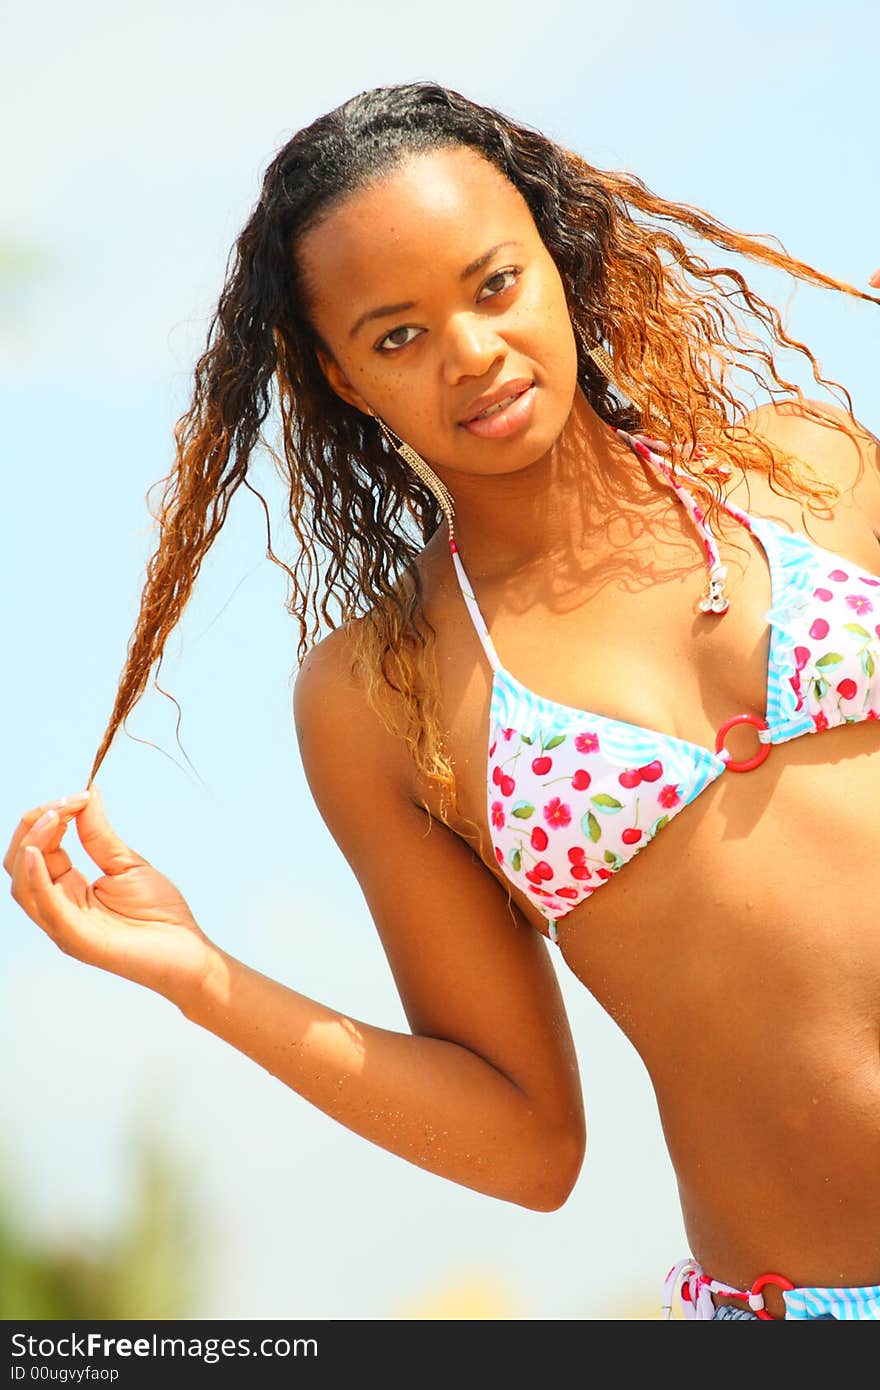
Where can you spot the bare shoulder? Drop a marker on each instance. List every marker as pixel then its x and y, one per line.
pixel 467 965
pixel 850 460
pixel 330 703
pixel 328 694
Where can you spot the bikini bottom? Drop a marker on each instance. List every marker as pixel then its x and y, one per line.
pixel 695 1292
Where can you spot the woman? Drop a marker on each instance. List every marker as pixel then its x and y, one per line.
pixel 610 602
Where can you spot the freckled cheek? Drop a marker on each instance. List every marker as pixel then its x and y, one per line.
pixel 406 405
pixel 389 392
pixel 542 322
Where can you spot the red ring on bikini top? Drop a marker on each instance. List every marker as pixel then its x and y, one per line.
pixel 759 757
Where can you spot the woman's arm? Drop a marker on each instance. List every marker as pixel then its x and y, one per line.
pixel 485 1090
pixel 428 1099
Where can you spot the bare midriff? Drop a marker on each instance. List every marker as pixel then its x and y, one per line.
pixel 740 951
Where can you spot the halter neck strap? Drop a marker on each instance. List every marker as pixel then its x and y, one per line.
pixel 648 450
pixel 474 608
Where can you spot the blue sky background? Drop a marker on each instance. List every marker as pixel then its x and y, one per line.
pixel 134 148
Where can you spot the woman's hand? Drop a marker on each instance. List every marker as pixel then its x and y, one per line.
pixel 131 921
pixel 875 279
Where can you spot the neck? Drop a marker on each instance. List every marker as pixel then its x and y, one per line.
pixel 557 506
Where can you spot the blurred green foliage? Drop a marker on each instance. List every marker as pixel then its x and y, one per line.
pixel 22 260
pixel 146 1268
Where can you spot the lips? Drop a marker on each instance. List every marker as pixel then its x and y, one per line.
pixel 501 393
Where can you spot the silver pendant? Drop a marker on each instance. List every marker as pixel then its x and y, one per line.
pixel 714 600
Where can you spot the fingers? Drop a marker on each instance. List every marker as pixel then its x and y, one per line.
pixel 53 910
pixel 45 833
pixel 67 806
pixel 100 840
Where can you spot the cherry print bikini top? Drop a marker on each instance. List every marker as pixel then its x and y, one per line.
pixel 572 796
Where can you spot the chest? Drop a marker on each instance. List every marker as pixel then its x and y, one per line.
pixel 619 634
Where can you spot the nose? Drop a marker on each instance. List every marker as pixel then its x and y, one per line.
pixel 472 347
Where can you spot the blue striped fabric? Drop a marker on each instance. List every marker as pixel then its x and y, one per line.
pixel 514 706
pixel 795 564
pixel 559 844
pixel 846 1305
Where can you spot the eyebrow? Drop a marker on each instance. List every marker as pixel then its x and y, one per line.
pixel 471 269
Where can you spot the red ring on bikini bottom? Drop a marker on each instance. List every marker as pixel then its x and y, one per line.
pixel 759 757
pixel 755 1294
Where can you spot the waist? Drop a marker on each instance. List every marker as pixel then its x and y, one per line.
pixel 703 1298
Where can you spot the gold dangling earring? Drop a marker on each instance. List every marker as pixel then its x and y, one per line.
pixel 606 366
pixel 424 471
pixel 602 361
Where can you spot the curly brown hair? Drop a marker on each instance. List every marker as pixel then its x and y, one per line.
pixel 632 286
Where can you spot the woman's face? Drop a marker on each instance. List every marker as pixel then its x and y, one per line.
pixel 418 331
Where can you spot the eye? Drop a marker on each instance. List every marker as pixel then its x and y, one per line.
pixel 395 346
pixel 404 328
pixel 511 270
